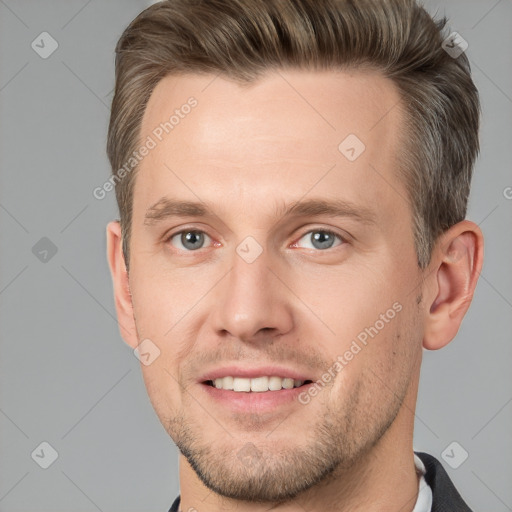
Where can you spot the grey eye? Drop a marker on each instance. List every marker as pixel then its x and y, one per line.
pixel 190 240
pixel 321 238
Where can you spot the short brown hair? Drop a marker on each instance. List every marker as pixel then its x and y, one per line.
pixel 242 39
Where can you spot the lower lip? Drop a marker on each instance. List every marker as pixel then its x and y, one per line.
pixel 254 401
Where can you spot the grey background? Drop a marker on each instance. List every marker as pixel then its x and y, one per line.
pixel 66 376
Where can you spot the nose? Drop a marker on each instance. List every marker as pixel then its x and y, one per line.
pixel 254 301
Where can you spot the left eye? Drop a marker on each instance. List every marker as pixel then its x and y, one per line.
pixel 321 238
pixel 190 240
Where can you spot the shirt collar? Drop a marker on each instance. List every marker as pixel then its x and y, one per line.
pixel 424 501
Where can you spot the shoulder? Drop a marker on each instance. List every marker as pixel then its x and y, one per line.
pixel 444 495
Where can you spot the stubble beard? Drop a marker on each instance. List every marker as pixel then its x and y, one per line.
pixel 264 471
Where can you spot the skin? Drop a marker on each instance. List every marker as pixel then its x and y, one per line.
pixel 247 151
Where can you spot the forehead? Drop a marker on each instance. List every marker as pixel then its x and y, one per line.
pixel 279 137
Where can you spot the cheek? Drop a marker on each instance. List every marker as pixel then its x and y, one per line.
pixel 163 394
pixel 350 300
pixel 159 300
pixel 163 381
pixel 157 312
pixel 395 351
pixel 376 378
pixel 381 338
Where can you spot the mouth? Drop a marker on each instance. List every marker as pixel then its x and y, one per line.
pixel 256 384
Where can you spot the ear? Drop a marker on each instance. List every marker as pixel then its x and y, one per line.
pixel 456 265
pixel 122 295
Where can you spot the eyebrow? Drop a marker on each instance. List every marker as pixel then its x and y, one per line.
pixel 167 207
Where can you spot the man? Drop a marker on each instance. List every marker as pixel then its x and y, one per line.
pixel 292 178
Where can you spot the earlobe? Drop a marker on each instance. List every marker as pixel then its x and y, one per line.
pixel 122 295
pixel 457 263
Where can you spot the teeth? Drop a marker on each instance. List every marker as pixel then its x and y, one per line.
pixel 288 383
pixel 241 384
pixel 227 382
pixel 257 384
pixel 275 383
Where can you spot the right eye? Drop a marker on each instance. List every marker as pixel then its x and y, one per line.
pixel 189 239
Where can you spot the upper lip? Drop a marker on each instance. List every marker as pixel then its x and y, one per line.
pixel 250 373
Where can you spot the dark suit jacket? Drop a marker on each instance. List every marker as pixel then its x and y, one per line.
pixel 445 497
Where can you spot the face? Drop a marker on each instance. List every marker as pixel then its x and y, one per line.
pixel 242 285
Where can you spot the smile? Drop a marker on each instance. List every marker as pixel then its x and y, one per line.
pixel 256 384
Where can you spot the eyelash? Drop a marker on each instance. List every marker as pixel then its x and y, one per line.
pixel 317 230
